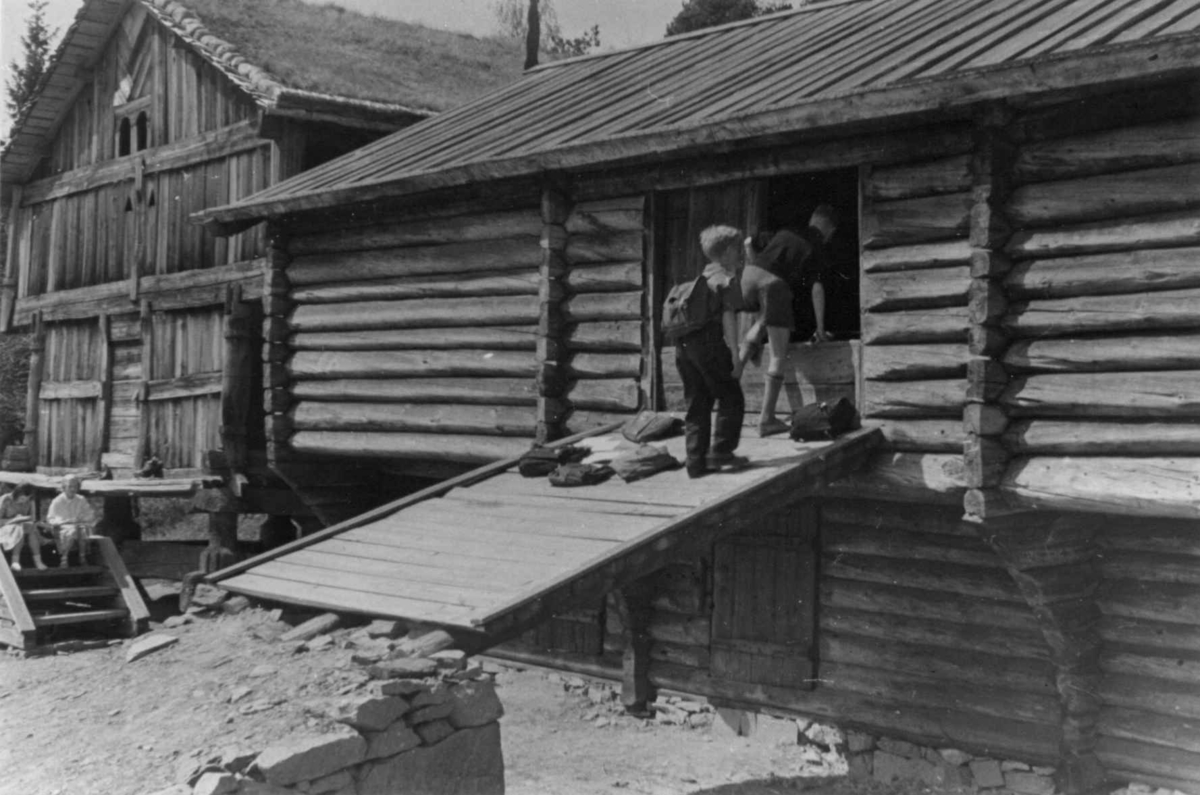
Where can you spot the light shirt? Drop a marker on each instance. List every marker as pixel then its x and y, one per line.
pixel 70 510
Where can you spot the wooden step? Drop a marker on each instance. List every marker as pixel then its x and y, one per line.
pixel 67 594
pixel 85 617
pixel 29 575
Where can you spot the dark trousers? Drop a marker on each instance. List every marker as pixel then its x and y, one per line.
pixel 706 367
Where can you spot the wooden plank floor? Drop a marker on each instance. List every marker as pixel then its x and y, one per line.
pixel 466 555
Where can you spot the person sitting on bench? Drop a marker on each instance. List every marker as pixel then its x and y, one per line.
pixel 70 517
pixel 17 526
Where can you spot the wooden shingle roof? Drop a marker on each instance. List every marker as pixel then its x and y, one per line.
pixel 821 65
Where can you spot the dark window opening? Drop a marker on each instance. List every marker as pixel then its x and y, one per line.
pixel 151 202
pixel 143 131
pixel 123 138
pixel 790 202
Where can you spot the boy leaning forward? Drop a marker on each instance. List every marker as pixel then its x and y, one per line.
pixel 706 364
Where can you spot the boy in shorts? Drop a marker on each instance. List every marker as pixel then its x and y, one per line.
pixel 787 259
pixel 70 517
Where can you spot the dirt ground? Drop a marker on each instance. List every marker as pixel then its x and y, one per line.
pixel 86 722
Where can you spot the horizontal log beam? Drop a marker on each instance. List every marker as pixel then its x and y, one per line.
pixel 607 216
pixel 1105 274
pixel 607 278
pixel 914 362
pixel 918 289
pixel 1128 193
pixel 1165 767
pixel 463 448
pixel 189 386
pixel 408 287
pixel 589 247
pixel 516 225
pixel 1136 486
pixel 921 220
pixel 605 335
pixel 923 399
pixel 1171 309
pixel 1157 352
pixel 604 365
pixel 479 391
pixel 1050 437
pixel 606 394
pixel 909 180
pixel 916 257
pixel 906 477
pixel 1155 395
pixel 69 390
pixel 915 326
pixel 417 313
pixel 508 338
pixel 603 306
pixel 1121 149
pixel 410 364
pixel 419 418
pixel 1148 231
pixel 474 257
pixel 922 436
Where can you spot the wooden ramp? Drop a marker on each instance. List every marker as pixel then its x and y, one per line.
pixel 493 552
pixel 40 606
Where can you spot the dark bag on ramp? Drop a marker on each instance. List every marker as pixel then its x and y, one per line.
pixel 818 422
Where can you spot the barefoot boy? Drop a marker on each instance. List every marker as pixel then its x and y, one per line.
pixel 71 518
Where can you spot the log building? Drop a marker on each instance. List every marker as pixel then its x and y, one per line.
pixel 1015 572
pixel 148 331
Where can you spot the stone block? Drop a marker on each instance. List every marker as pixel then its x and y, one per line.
pixel 430 713
pixel 734 722
pixel 235 605
pixel 335 782
pixel 369 713
pixel 395 739
pixel 468 763
pixel 236 760
pixel 857 741
pixel 428 695
pixel 148 645
pixel 475 704
pixel 251 787
pixel 826 736
pixel 776 731
pixel 953 756
pixel 859 765
pixel 450 659
pixel 434 732
pixel 900 748
pixel 986 772
pixel 216 784
pixel 311 756
pixel 174 789
pixel 403 668
pixel 1029 783
pixel 890 768
pixel 380 628
pixel 397 687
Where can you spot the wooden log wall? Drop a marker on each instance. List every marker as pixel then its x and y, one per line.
pixel 1149 725
pixel 69 419
pixel 411 340
pixel 602 311
pixel 1102 310
pixel 916 280
pixel 921 634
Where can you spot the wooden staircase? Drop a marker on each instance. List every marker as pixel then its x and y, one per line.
pixel 42 606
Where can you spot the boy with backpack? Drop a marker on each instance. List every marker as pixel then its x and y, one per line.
pixel 695 318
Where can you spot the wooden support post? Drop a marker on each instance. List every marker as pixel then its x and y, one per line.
pixel 142 451
pixel 275 329
pixel 984 420
pixel 222 549
pixel 1052 559
pixel 104 403
pixel 37 360
pixel 634 604
pixel 237 391
pixel 552 355
pixel 138 199
pixel 8 282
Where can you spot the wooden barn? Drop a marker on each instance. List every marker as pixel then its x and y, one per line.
pixel 148 330
pixel 1013 568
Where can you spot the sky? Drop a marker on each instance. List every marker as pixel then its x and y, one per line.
pixel 622 22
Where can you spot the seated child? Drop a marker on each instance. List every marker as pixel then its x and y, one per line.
pixel 70 517
pixel 17 526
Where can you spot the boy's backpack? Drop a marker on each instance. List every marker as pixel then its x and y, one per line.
pixel 822 421
pixel 688 309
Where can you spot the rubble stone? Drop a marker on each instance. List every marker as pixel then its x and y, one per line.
pixel 827 736
pixel 437 694
pixel 986 773
pixel 396 687
pixel 395 739
pixel 857 741
pixel 381 628
pixel 450 659
pixel 954 756
pixel 369 713
pixel 216 784
pixel 889 768
pixel 403 668
pixel 475 704
pixel 430 713
pixel 334 782
pixel 434 732
pixel 311 756
pixel 900 748
pixel 467 763
pixel 174 789
pixel 1029 783
pixel 147 645
pixel 235 604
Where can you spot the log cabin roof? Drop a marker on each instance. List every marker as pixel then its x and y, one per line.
pixel 291 57
pixel 820 66
pixel 542 549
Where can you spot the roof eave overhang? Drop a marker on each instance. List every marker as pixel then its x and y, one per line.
pixel 1158 59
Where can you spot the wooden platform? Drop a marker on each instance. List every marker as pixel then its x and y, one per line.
pixel 495 552
pixel 140 487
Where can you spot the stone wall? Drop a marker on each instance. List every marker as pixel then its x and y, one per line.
pixel 411 729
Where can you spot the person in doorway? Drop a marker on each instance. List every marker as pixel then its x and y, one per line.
pixel 788 261
pixel 17 526
pixel 71 518
pixel 706 366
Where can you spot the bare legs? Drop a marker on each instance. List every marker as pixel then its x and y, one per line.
pixel 29 534
pixel 777 349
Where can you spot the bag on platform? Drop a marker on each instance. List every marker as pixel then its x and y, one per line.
pixel 822 421
pixel 580 474
pixel 650 426
pixel 541 461
pixel 644 462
